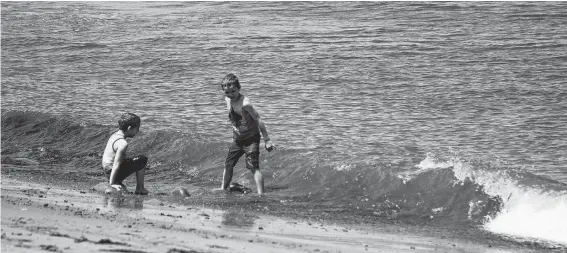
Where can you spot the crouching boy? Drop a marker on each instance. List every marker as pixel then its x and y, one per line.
pixel 116 165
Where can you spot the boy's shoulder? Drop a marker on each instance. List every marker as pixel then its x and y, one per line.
pixel 120 143
pixel 117 139
pixel 245 101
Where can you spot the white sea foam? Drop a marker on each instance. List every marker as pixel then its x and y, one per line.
pixel 531 212
pixel 528 210
pixel 542 216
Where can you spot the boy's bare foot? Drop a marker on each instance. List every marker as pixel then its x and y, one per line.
pixel 141 192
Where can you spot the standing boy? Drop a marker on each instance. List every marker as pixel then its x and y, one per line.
pixel 114 161
pixel 247 126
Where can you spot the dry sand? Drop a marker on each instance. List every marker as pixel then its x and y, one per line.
pixel 40 218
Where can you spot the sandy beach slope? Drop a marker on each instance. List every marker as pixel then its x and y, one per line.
pixel 46 218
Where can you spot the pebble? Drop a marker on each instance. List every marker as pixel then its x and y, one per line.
pixel 180 191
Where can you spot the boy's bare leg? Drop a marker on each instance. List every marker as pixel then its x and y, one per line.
pixel 226 177
pixel 140 182
pixel 259 182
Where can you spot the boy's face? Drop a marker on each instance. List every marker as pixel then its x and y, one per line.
pixel 131 132
pixel 230 91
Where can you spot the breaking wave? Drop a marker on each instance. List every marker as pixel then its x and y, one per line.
pixel 450 190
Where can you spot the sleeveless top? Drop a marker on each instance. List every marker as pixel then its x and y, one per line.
pixel 245 126
pixel 110 152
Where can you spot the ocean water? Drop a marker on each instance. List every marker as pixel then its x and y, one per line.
pixel 446 114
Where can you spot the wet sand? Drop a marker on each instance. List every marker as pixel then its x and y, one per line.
pixel 39 218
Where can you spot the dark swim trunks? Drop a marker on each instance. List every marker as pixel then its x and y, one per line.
pixel 128 166
pixel 250 147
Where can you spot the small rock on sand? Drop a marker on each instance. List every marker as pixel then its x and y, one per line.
pixel 102 187
pixel 181 192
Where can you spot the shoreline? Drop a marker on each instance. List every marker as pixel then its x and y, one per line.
pixel 37 217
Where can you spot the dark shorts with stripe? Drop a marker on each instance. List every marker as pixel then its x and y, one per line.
pixel 249 147
pixel 127 167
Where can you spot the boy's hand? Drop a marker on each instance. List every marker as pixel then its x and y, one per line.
pixel 270 146
pixel 235 130
pixel 118 187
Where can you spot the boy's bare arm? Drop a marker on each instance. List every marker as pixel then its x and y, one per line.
pixel 256 116
pixel 120 155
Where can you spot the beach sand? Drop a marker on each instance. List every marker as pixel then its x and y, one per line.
pixel 42 217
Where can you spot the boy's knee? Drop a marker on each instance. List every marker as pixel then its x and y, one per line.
pixel 142 160
pixel 254 169
pixel 252 166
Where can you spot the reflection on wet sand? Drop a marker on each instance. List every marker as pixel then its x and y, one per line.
pixel 237 219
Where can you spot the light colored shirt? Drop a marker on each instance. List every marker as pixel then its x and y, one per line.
pixel 110 151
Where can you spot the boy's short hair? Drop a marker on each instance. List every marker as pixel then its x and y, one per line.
pixel 128 120
pixel 230 79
